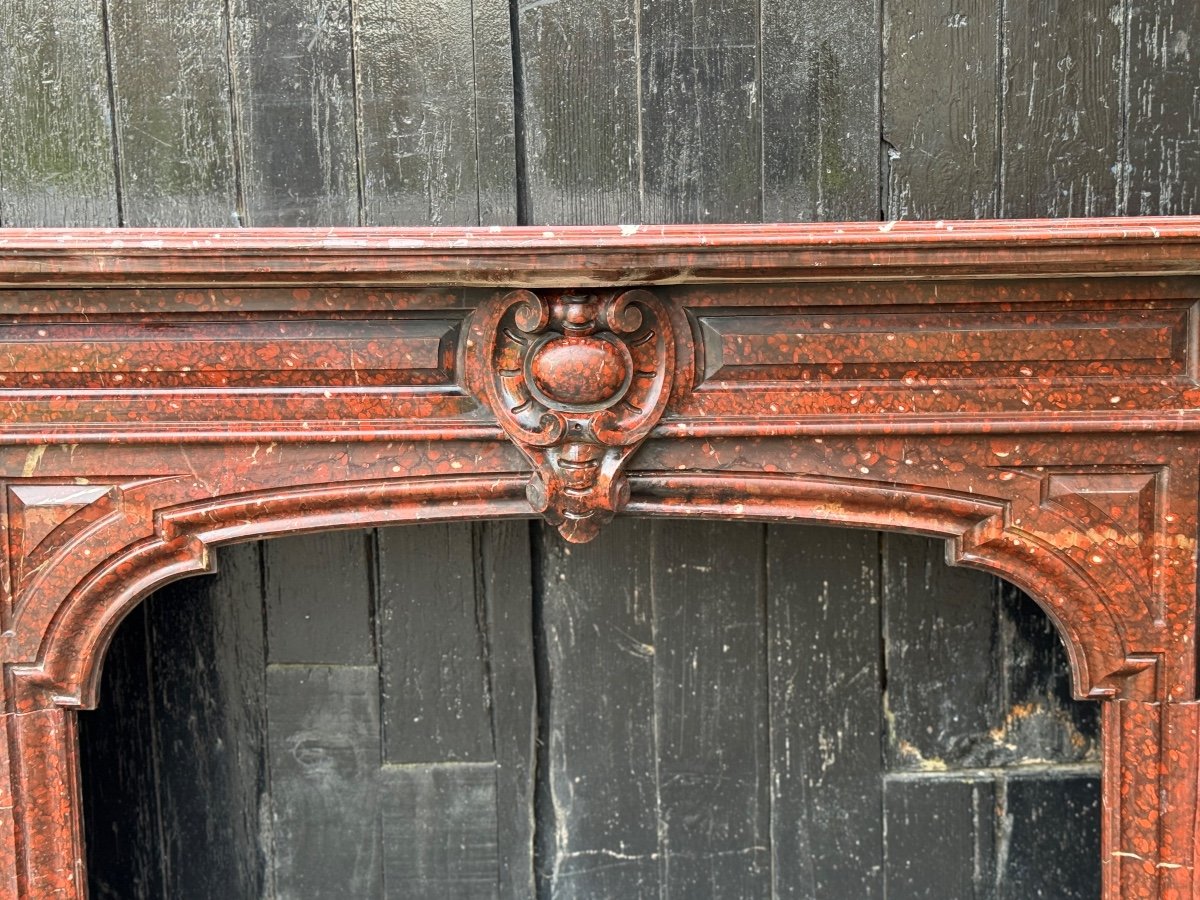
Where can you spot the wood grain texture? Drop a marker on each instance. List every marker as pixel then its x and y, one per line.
pixel 506 560
pixel 418 114
pixel 598 798
pixel 940 838
pixel 938 622
pixel 1061 96
pixel 659 783
pixel 820 107
pixel 995 835
pixel 825 682
pixel 440 832
pixel 206 645
pixel 434 647
pixel 581 109
pixel 318 599
pixel 170 74
pixel 1163 108
pixel 118 769
pixel 711 716
pixel 495 115
pixel 974 692
pixel 940 109
pixel 294 91
pixel 700 97
pixel 56 147
pixel 1054 834
pixel 324 758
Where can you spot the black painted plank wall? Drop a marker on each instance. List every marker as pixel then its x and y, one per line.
pixel 825 685
pixel 292 73
pixel 172 121
pixel 57 161
pixel 679 709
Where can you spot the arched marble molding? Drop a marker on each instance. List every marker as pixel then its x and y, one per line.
pixel 151 532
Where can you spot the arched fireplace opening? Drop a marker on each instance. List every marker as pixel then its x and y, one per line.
pixel 460 710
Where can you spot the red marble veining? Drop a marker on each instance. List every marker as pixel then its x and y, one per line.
pixel 1149 806
pixel 579 371
pixel 1026 390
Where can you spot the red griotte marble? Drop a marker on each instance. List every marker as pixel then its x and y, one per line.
pixel 1026 390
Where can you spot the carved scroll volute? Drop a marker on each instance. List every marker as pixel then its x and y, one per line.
pixel 577 380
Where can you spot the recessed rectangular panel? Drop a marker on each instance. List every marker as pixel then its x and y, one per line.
pixel 246 352
pixel 913 345
pixel 214 301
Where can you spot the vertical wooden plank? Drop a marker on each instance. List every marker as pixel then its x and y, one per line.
pixel 825 682
pixel 940 835
pixel 1049 837
pixel 458 689
pixel 206 645
pixel 940 108
pixel 711 709
pixel 56 153
pixel 318 597
pixel 505 559
pixel 433 646
pixel 417 112
pixel 323 740
pixel 440 830
pixel 174 136
pixel 940 638
pixel 495 128
pixel 581 107
pixel 820 109
pixel 598 793
pixel 1164 108
pixel 294 92
pixel 120 808
pixel 1061 108
pixel 702 146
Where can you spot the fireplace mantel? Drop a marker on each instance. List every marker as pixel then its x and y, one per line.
pixel 1026 390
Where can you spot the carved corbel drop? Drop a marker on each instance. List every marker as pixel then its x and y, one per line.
pixel 577 381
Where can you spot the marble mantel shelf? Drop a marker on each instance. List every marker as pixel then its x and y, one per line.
pixel 1026 390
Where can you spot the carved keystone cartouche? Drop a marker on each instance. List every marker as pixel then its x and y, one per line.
pixel 577 381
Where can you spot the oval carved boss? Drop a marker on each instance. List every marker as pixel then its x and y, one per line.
pixel 579 372
pixel 577 380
